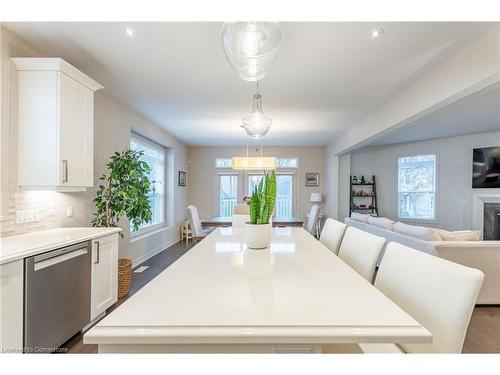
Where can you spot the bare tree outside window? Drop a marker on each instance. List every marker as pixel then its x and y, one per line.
pixel 417 187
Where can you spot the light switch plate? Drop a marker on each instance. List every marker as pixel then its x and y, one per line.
pixel 69 211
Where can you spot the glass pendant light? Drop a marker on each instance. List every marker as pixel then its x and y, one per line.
pixel 257 124
pixel 251 47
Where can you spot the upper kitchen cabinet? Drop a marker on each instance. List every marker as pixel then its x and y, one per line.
pixel 55 125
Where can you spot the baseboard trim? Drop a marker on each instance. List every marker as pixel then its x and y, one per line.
pixel 152 253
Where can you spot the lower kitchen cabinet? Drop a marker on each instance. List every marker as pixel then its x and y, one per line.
pixel 11 324
pixel 100 289
pixel 104 285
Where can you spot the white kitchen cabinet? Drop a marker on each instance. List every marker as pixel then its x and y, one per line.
pixel 104 285
pixel 55 125
pixel 11 296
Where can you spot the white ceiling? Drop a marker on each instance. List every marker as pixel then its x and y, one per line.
pixel 327 78
pixel 478 113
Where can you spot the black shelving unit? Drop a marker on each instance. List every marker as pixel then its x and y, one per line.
pixel 357 198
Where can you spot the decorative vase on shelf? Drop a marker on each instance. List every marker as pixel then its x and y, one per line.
pixel 261 206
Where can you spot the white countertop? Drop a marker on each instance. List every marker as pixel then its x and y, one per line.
pixel 25 245
pixel 222 292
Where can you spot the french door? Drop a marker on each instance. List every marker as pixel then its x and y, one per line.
pixel 286 191
pixel 228 194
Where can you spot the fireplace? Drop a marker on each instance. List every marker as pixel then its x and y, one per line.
pixel 485 203
pixel 491 221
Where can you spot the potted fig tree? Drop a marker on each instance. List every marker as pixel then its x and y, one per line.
pixel 258 229
pixel 124 191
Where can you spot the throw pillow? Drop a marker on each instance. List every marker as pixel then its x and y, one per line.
pixel 382 222
pixel 360 217
pixel 422 233
pixel 459 235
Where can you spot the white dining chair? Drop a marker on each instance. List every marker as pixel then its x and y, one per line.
pixel 332 234
pixel 437 293
pixel 361 250
pixel 194 218
pixel 312 220
pixel 239 220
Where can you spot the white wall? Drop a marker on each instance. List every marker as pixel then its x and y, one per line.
pixel 344 185
pixel 337 170
pixel 113 124
pixel 202 174
pixel 454 168
pixel 331 183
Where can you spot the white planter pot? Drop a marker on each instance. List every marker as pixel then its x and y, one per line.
pixel 257 236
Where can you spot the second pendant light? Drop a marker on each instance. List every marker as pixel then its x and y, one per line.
pixel 257 124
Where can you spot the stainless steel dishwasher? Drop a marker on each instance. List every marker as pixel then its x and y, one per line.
pixel 56 296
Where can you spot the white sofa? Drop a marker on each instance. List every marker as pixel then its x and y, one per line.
pixel 482 255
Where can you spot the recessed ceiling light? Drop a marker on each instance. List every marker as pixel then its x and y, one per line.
pixel 376 33
pixel 130 32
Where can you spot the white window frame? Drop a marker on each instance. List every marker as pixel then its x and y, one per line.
pixel 148 229
pixel 227 173
pixel 224 167
pixel 243 183
pixel 295 192
pixel 288 167
pixel 282 171
pixel 229 166
pixel 436 185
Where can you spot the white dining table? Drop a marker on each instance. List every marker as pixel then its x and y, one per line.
pixel 295 296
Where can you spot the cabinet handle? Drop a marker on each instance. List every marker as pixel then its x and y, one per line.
pixel 97 253
pixel 65 171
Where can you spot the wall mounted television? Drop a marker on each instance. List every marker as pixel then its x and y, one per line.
pixel 486 167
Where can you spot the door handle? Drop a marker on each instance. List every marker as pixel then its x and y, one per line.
pixel 65 171
pixel 98 255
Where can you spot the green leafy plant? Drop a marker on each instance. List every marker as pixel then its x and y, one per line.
pixel 124 191
pixel 263 199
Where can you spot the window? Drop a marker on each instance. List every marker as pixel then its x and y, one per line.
pixel 155 156
pixel 253 182
pixel 287 163
pixel 284 195
pixel 417 187
pixel 228 194
pixel 284 192
pixel 224 163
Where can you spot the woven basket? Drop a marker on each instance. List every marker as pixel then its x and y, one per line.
pixel 124 276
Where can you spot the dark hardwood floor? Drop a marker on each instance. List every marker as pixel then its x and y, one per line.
pixel 483 335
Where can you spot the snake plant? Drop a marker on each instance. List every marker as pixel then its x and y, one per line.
pixel 263 199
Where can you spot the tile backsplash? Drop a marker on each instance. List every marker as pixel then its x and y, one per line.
pixel 44 209
pixel 43 202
